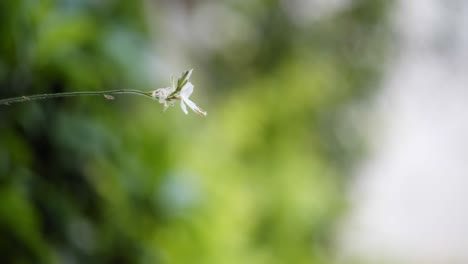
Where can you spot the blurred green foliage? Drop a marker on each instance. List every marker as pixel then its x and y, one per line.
pixel 260 180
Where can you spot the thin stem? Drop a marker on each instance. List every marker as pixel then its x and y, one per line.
pixel 107 94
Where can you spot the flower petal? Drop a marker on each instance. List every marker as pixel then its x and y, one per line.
pixel 193 106
pixel 187 90
pixel 184 108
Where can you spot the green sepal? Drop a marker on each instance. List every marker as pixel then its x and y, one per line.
pixel 183 79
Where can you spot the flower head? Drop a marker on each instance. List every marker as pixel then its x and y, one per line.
pixel 179 91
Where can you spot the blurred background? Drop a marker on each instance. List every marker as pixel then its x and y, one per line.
pixel 336 132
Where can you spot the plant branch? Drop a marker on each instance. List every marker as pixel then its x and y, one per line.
pixel 106 94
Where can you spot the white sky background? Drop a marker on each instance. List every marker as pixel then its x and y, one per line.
pixel 410 198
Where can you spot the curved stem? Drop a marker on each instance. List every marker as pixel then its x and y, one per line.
pixel 21 99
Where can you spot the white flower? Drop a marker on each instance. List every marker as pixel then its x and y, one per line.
pixel 179 91
pixel 184 95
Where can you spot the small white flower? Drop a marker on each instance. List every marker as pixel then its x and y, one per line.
pixel 184 95
pixel 179 91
